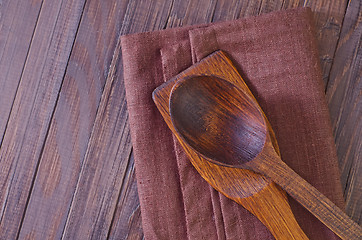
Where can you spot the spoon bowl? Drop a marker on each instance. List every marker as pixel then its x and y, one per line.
pixel 228 118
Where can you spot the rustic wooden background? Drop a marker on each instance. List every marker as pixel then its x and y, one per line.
pixel 66 163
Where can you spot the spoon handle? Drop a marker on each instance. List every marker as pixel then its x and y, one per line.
pixel 308 196
pixel 271 207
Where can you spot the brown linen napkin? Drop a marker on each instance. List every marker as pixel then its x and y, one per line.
pixel 277 57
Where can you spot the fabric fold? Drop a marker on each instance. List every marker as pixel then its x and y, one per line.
pixel 277 57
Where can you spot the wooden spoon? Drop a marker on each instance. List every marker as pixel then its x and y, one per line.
pixel 226 126
pixel 262 197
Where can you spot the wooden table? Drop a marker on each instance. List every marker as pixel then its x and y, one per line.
pixel 66 163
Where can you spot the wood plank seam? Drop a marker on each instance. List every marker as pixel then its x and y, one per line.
pixel 335 49
pixel 120 193
pixel 213 11
pixel 169 14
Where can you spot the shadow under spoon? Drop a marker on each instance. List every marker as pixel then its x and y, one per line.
pixel 226 126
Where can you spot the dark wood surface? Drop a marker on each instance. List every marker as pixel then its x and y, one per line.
pixel 66 163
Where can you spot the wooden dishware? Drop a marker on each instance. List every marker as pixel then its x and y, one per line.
pixel 256 193
pixel 225 125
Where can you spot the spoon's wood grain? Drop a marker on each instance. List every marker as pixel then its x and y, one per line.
pixel 217 119
pixel 269 164
pixel 256 193
pixel 225 125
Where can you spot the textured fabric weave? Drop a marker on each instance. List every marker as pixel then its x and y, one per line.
pixel 277 57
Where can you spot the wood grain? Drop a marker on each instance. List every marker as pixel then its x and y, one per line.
pixel 216 119
pixel 191 12
pixel 321 207
pixel 14 21
pixel 73 119
pixel 32 68
pixel 127 222
pixel 328 17
pixel 103 172
pixel 344 98
pixel 104 165
pixel 33 107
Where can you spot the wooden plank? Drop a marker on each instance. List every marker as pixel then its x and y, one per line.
pixel 234 9
pixel 328 17
pixel 127 222
pixel 17 18
pixel 191 12
pixel 73 120
pixel 105 165
pixel 344 98
pixel 146 16
pixel 33 107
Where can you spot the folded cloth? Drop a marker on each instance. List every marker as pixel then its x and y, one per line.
pixel 277 57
